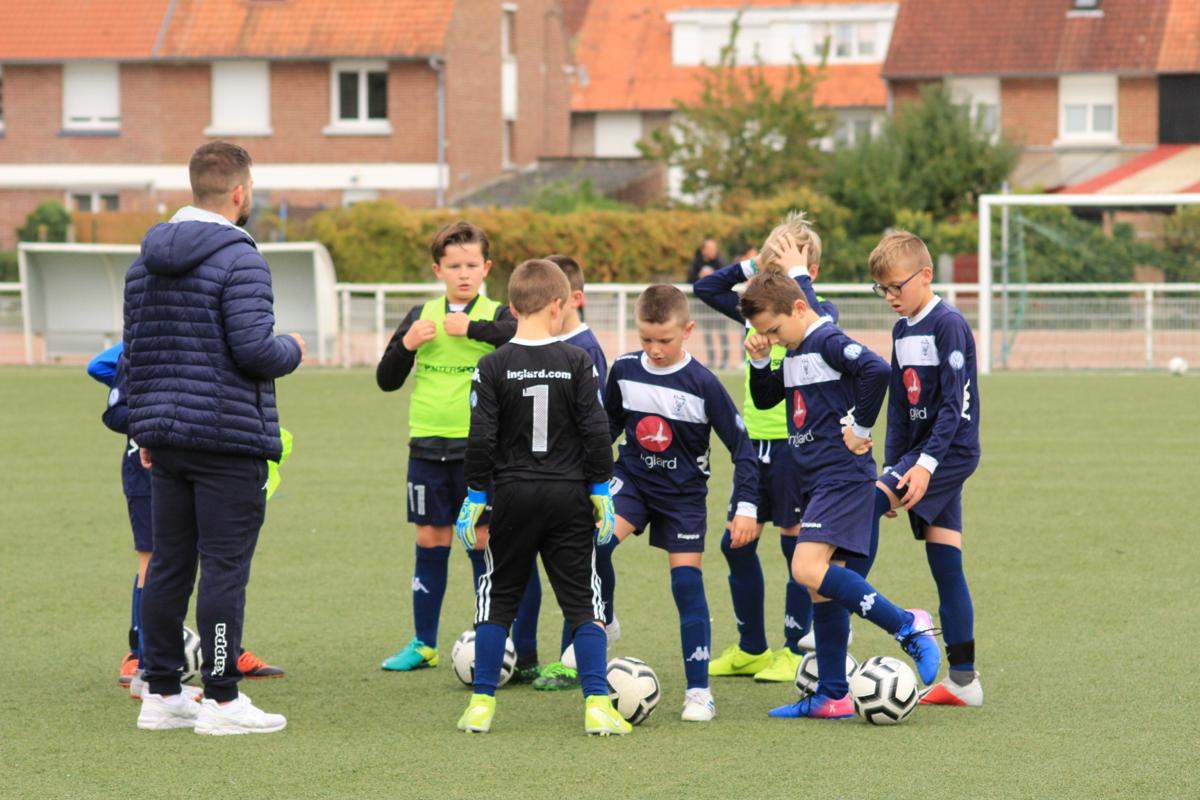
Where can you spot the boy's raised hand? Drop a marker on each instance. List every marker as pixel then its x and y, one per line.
pixel 791 255
pixel 742 531
pixel 758 347
pixel 421 332
pixel 456 324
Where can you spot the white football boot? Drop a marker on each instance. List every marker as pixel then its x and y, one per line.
pixel 238 716
pixel 698 706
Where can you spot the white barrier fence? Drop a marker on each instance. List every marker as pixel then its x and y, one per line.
pixel 1049 326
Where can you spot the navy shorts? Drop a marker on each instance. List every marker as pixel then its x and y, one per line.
pixel 840 514
pixel 779 498
pixel 140 522
pixel 941 507
pixel 677 530
pixel 436 490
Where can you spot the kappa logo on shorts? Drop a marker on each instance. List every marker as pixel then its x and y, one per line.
pixel 912 386
pixel 691 537
pixel 799 409
pixel 654 434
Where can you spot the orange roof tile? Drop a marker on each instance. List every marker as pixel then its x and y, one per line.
pixel 50 30
pixel 625 48
pixel 1180 51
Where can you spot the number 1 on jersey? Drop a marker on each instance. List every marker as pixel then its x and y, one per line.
pixel 541 414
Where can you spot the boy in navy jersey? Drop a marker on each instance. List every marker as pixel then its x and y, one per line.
pixel 666 403
pixel 932 441
pixel 834 389
pixel 557 675
pixel 778 497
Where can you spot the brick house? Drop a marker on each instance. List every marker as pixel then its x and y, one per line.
pixel 1082 86
pixel 102 103
pixel 635 58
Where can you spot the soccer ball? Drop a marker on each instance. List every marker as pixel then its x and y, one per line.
pixel 462 657
pixel 633 688
pixel 884 690
pixel 193 658
pixel 806 673
pixel 1177 365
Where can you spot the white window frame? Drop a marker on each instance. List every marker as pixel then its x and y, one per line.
pixel 1089 90
pixel 92 124
pixel 361 126
pixel 216 129
pixel 95 194
pixel 975 94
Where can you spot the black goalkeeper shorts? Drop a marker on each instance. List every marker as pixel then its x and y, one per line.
pixel 553 518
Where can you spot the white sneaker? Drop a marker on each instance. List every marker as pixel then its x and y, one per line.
pixel 166 713
pixel 698 705
pixel 808 642
pixel 238 716
pixel 613 632
pixel 138 686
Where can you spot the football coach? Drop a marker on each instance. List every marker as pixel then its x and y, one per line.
pixel 202 359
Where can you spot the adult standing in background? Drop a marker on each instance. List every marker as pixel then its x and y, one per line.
pixel 705 262
pixel 202 358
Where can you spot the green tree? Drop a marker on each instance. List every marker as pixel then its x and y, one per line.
pixel 930 157
pixel 745 133
pixel 46 223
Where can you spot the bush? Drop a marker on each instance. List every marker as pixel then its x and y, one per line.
pixel 9 272
pixel 46 223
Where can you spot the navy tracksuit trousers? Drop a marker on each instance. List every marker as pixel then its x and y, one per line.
pixel 207 510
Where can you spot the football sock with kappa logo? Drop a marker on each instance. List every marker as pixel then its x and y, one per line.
pixel 831 629
pixel 860 564
pixel 524 629
pixel 478 567
pixel 797 603
pixel 956 611
pixel 591 648
pixel 428 589
pixel 859 597
pixel 695 633
pixel 747 588
pixel 135 620
pixel 489 656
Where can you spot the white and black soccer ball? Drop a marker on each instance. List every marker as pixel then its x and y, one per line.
pixel 884 690
pixel 807 677
pixel 462 658
pixel 633 688
pixel 193 657
pixel 1177 365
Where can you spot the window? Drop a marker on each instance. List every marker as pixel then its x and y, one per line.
pixel 847 41
pixel 91 96
pixel 617 134
pixel 507 135
pixel 508 66
pixel 241 99
pixel 508 29
pixel 1087 108
pixel 90 202
pixel 982 97
pixel 850 129
pixel 358 98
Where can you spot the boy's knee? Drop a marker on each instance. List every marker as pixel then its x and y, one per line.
pixel 808 571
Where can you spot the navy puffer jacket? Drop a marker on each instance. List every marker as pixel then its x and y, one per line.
pixel 200 343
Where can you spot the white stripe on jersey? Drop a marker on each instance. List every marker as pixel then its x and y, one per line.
pixel 646 398
pixel 807 369
pixel 916 351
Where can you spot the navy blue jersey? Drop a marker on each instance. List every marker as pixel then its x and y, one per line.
pixel 667 416
pixel 583 338
pixel 716 290
pixel 829 382
pixel 934 405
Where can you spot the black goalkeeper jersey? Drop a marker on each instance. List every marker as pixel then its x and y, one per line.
pixel 536 415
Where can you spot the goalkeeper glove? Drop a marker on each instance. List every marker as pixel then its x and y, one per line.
pixel 602 510
pixel 468 516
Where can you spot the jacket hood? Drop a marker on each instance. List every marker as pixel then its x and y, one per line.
pixel 174 248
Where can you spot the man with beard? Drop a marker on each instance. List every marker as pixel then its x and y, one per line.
pixel 201 359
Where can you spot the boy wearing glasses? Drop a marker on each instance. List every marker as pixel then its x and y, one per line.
pixel 932 441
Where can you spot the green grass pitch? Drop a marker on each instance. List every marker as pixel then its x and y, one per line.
pixel 1083 551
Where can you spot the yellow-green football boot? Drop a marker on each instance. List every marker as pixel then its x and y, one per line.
pixel 478 716
pixel 601 719
pixel 782 668
pixel 736 661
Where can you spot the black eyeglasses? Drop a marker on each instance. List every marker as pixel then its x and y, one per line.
pixel 894 289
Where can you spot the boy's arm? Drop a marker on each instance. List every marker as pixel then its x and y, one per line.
pixel 614 407
pixel 601 364
pixel 870 374
pixel 496 331
pixel 397 359
pixel 716 290
pixel 898 421
pixel 593 423
pixel 481 441
pixel 725 420
pixel 950 338
pixel 766 384
pixel 103 367
pixel 818 304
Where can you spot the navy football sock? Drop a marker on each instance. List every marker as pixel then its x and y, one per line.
pixel 428 589
pixel 524 629
pixel 831 629
pixel 135 620
pixel 856 595
pixel 797 603
pixel 489 655
pixel 746 587
pixel 591 648
pixel 955 610
pixel 687 585
pixel 608 577
pixel 478 567
pixel 860 564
